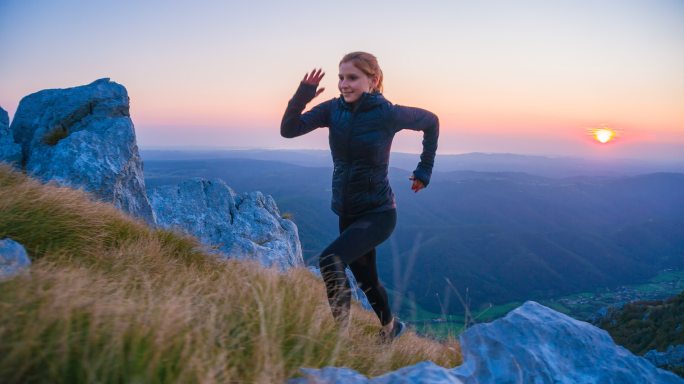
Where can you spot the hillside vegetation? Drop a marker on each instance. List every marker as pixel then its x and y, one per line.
pixel 645 325
pixel 109 299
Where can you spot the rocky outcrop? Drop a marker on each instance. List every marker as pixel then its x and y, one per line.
pixel 532 344
pixel 246 226
pixel 10 151
pixel 536 344
pixel 83 137
pixel 13 258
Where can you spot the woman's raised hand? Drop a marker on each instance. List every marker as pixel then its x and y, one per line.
pixel 314 78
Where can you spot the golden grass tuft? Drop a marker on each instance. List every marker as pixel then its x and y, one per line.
pixel 108 299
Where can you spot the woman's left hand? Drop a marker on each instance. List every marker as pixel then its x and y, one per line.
pixel 417 184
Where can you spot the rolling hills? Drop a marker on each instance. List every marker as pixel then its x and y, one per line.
pixel 499 236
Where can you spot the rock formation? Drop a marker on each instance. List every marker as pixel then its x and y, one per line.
pixel 246 226
pixel 84 137
pixel 13 258
pixel 536 344
pixel 532 344
pixel 10 151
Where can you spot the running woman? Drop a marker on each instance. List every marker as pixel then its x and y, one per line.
pixel 361 125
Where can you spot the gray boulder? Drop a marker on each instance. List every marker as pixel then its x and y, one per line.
pixel 532 344
pixel 246 226
pixel 83 137
pixel 535 344
pixel 13 258
pixel 10 151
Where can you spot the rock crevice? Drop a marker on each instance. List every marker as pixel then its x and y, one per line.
pixel 10 151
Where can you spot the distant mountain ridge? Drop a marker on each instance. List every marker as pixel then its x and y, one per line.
pixel 557 167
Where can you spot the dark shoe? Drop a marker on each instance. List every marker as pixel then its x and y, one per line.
pixel 397 330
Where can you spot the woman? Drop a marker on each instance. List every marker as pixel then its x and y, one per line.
pixel 362 124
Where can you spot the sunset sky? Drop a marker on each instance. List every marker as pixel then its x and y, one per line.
pixel 528 77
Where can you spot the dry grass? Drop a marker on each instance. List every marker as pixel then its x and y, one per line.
pixel 110 300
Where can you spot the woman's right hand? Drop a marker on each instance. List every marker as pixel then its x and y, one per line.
pixel 314 78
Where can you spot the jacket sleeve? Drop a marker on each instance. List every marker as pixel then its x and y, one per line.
pixel 417 119
pixel 295 123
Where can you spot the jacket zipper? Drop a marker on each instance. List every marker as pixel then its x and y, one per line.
pixel 355 109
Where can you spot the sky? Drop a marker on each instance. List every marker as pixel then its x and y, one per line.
pixel 527 77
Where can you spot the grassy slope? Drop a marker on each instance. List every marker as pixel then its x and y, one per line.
pixel 108 299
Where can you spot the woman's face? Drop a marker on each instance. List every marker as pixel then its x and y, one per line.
pixel 352 82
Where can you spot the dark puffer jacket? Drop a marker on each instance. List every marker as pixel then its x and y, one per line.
pixel 360 137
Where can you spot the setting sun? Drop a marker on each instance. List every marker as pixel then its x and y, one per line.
pixel 603 135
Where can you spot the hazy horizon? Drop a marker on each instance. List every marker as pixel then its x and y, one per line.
pixel 217 148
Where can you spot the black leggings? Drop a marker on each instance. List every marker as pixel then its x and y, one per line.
pixel 355 247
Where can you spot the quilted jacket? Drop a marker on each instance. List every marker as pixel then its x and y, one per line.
pixel 360 137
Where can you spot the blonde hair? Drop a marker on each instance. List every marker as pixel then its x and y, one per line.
pixel 368 64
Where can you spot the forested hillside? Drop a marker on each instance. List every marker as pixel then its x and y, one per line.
pixel 646 325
